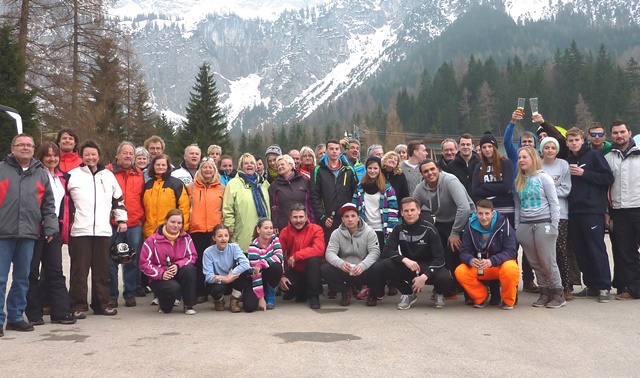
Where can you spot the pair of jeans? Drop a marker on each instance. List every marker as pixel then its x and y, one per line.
pixel 19 252
pixel 130 271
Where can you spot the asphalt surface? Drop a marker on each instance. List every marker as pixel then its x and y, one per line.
pixel 584 338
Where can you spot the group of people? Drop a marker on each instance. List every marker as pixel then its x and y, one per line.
pixel 286 223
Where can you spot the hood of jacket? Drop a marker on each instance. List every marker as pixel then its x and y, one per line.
pixel 33 164
pixel 324 160
pixel 534 136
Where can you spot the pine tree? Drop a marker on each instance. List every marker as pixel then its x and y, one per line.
pixel 12 68
pixel 243 146
pixel 583 116
pixel 166 130
pixel 205 123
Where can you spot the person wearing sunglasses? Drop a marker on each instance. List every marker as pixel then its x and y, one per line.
pixel 597 137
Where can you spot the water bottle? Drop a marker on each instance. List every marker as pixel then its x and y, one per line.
pixel 480 270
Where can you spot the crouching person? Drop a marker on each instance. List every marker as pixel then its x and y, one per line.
pixel 226 271
pixel 352 253
pixel 167 258
pixel 488 252
pixel 303 247
pixel 420 260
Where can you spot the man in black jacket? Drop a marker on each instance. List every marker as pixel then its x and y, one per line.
pixel 465 162
pixel 590 179
pixel 422 260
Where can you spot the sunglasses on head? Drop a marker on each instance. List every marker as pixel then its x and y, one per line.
pixel 208 159
pixel 594 135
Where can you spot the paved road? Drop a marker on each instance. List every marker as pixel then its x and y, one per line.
pixel 584 338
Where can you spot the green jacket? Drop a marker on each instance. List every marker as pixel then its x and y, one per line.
pixel 239 210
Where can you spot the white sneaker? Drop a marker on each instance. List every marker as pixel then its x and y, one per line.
pixel 406 301
pixel 176 302
pixel 154 302
pixel 439 301
pixel 190 311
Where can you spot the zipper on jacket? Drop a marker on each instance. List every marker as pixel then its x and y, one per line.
pixel 95 199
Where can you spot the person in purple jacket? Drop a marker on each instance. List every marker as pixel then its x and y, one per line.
pixel 168 258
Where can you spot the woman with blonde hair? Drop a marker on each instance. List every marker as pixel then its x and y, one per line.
pixel 537 216
pixel 205 195
pixel 246 200
pixel 307 161
pixel 394 175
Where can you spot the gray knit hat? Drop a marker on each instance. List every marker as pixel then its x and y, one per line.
pixel 273 149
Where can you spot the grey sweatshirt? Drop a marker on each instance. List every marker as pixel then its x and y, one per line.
pixel 361 248
pixel 448 201
pixel 559 172
pixel 538 200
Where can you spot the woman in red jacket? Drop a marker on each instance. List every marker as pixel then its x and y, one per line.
pixel 205 195
pixel 168 258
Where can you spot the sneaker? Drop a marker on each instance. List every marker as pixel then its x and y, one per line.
pixel 624 296
pixel 586 293
pixel 141 292
pixel 20 326
pixel 219 304
pixel 113 302
pixel 439 302
pixel 604 296
pixel 130 302
pixel 201 299
pixel 79 314
pixel 147 290
pixel 363 294
pixel 406 301
pixel 482 304
pixel 557 298
pixel 177 302
pixel 109 311
pixel 69 319
pixel 505 307
pixel 530 287
pixel 544 298
pixel 314 302
pixel 189 311
pixel 155 302
pixel 37 322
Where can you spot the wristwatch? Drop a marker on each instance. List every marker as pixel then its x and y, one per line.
pixel 219 281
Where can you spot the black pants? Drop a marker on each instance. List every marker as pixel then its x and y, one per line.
pixel 626 225
pixel 402 277
pixel 55 290
pixel 339 280
pixel 242 284
pixel 308 283
pixel 271 275
pixel 184 283
pixel 587 234
pixel 201 240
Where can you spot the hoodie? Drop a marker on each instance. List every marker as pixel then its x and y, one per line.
pixel 361 248
pixel 589 192
pixel 448 201
pixel 497 244
pixel 512 149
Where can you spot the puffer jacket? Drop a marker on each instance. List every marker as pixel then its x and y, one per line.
pixel 624 193
pixel 69 161
pixel 500 245
pixel 388 207
pixel 132 184
pixel 161 194
pixel 302 244
pixel 26 201
pixel 206 205
pixel 153 257
pixel 329 192
pixel 95 197
pixel 283 193
pixel 239 210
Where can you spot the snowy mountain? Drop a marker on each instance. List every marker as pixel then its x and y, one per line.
pixel 277 61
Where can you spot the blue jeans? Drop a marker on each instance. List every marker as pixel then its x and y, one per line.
pixel 130 272
pixel 19 252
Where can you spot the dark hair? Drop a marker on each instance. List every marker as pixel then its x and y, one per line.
pixel 44 150
pixel 485 204
pixel 596 125
pixel 219 227
pixel 72 134
pixel 259 224
pixel 465 136
pixel 427 161
pixel 297 207
pixel 152 171
pixel 618 122
pixel 406 200
pixel 89 143
pixel 332 141
pixel 412 146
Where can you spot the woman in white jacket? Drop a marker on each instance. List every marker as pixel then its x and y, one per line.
pixel 95 196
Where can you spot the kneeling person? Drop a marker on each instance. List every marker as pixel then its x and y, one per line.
pixel 420 261
pixel 303 247
pixel 489 235
pixel 351 255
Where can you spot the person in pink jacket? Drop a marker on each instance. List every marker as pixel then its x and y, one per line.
pixel 168 258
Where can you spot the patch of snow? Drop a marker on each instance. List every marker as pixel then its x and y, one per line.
pixel 243 93
pixel 175 118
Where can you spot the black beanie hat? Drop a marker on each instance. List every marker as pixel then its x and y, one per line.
pixel 373 158
pixel 488 138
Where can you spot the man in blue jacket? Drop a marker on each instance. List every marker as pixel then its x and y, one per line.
pixel 489 252
pixel 26 204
